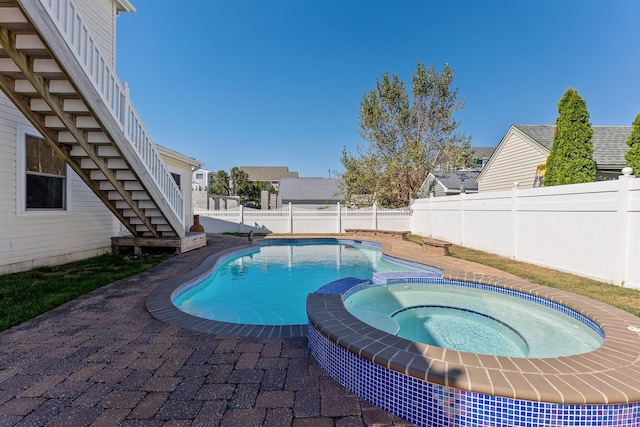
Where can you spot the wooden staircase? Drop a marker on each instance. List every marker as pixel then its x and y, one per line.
pixel 52 69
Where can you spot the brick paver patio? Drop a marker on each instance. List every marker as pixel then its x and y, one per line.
pixel 103 360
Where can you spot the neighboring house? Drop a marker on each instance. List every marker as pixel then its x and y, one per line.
pixel 271 174
pixel 202 179
pixel 449 184
pixel 181 168
pixel 310 193
pixel 524 150
pixel 77 165
pixel 481 156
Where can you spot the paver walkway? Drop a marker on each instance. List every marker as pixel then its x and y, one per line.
pixel 102 360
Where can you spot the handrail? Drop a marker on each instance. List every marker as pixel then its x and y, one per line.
pixel 115 95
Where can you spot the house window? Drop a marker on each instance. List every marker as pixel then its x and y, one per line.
pixel 46 176
pixel 199 176
pixel 176 178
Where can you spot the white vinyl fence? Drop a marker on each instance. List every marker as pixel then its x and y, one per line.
pixel 290 219
pixel 592 230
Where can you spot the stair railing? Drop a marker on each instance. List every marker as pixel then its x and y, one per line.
pixel 115 95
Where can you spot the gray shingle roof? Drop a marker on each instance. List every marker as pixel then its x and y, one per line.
pixel 609 142
pixel 320 189
pixel 454 180
pixel 483 152
pixel 268 173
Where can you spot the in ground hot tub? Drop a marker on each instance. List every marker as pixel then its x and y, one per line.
pixel 467 318
pixel 430 385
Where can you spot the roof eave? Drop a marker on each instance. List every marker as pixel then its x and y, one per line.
pixel 124 6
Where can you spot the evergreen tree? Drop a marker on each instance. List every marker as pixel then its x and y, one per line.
pixel 571 158
pixel 633 155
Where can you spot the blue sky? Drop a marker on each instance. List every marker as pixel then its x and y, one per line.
pixel 279 82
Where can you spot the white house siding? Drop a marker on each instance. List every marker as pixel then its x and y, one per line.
pixel 30 240
pixel 515 160
pixel 100 15
pixel 184 170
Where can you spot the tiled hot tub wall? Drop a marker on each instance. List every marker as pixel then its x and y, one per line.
pixel 427 404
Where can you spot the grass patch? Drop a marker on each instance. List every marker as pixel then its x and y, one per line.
pixel 623 298
pixel 27 294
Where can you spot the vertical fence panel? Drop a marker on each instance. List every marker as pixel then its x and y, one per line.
pixel 592 230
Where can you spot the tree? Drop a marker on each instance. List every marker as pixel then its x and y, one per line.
pixel 237 184
pixel 571 158
pixel 220 184
pixel 407 140
pixel 633 155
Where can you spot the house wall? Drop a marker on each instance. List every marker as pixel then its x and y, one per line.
pixel 515 160
pixel 184 170
pixel 33 239
pixel 101 16
pixel 587 229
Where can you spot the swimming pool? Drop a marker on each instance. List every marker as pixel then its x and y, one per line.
pixel 268 284
pixel 470 318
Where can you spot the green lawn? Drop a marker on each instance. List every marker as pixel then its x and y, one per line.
pixel 25 295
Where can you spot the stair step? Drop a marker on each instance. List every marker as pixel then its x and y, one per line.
pixel 107 186
pixel 140 195
pixel 76 150
pixel 133 186
pixel 108 151
pixel 87 122
pixel 11 15
pixel 31 45
pixel 8 66
pixel 114 195
pixel 98 138
pixel 74 106
pixel 61 87
pixel 97 175
pixel 40 105
pixel 53 122
pixel 88 164
pixel 125 175
pixel 117 164
pixel 47 68
pixel 154 214
pixel 24 87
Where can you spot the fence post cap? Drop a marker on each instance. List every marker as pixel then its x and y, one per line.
pixel 627 171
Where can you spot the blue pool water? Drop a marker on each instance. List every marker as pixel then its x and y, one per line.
pixel 472 320
pixel 269 285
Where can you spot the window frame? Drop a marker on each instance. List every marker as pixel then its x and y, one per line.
pixel 21 178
